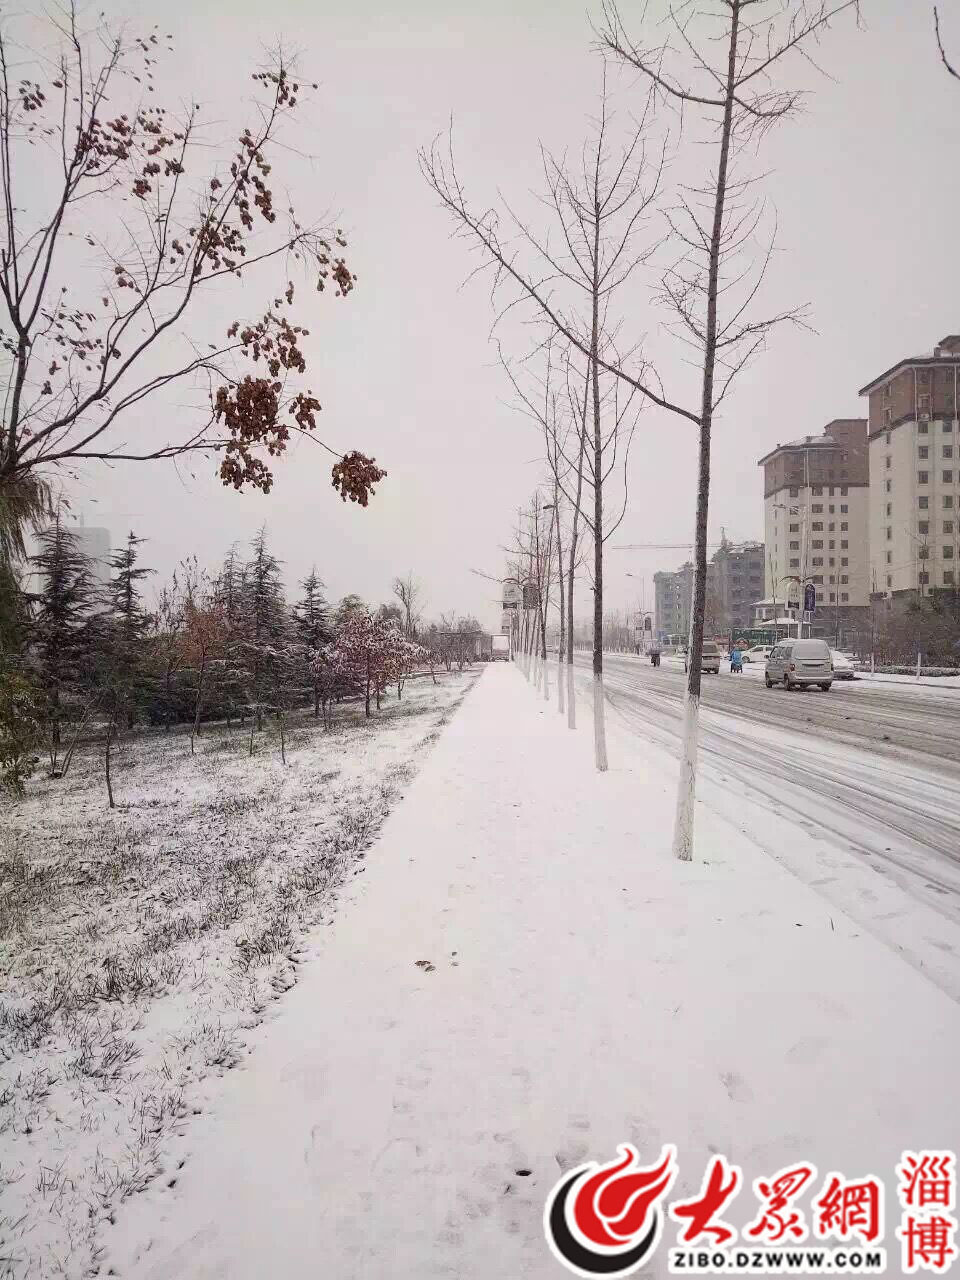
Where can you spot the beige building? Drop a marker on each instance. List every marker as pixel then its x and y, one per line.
pixel 816 520
pixel 915 473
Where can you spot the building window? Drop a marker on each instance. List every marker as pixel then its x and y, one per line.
pixel 844 525
pixel 948 502
pixel 844 508
pixel 818 578
pixel 948 526
pixel 923 503
pixel 844 561
pixel 948 577
pixel 889 582
pixel 923 528
pixel 922 428
pixel 923 451
pixel 888 486
pixel 923 403
pixel 948 551
pixel 818 544
pixel 844 544
pixel 947 425
pixel 795 528
pixel 889 509
pixel 843 492
pixel 832 563
pixel 844 577
pixel 832 544
pixel 817 526
pixel 832 525
pixel 832 507
pixel 923 553
pixel 794 564
pixel 923 477
pixel 948 477
pixel 833 597
pixel 889 534
pixel 831 491
pixel 818 560
pixel 794 546
pixel 817 490
pixel 948 450
pixel 794 492
pixel 887 464
pixel 844 596
pixel 817 508
pixel 832 579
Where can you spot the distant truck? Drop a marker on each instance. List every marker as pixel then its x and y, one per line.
pixel 501 649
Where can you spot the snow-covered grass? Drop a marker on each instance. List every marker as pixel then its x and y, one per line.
pixel 140 947
pixel 526 978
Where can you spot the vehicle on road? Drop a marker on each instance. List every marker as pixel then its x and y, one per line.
pixel 710 662
pixel 757 653
pixel 844 667
pixel 797 664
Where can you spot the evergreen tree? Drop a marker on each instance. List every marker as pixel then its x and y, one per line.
pixel 63 628
pixel 265 621
pixel 128 624
pixel 311 626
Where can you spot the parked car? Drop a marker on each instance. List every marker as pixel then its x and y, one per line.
pixel 844 666
pixel 799 663
pixel 757 653
pixel 710 662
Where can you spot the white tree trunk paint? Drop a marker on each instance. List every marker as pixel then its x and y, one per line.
pixel 687 790
pixel 544 663
pixel 560 706
pixel 571 699
pixel 918 666
pixel 599 724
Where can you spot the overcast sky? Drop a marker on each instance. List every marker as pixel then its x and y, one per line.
pixel 866 187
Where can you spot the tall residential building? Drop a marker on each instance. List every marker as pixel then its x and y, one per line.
pixel 734 581
pixel 914 460
pixel 672 597
pixel 816 519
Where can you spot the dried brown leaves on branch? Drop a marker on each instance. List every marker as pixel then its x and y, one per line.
pixel 122 232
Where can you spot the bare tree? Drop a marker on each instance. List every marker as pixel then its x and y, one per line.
pixel 103 185
pixel 409 591
pixel 596 212
pixel 729 53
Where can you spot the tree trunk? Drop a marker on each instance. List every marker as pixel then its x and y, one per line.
pixel 366 701
pixel 316 700
pixel 599 724
pixel 562 606
pixel 106 762
pixel 196 716
pixel 687 788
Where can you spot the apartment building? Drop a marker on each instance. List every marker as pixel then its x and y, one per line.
pixel 817 520
pixel 914 450
pixel 734 580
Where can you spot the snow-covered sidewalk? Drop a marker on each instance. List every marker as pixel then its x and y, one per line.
pixel 523 979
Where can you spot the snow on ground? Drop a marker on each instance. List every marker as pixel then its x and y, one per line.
pixel 140 948
pixel 525 979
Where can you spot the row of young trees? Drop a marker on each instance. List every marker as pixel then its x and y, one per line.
pixel 81 661
pixel 697 244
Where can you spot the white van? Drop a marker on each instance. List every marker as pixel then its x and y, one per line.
pixel 798 663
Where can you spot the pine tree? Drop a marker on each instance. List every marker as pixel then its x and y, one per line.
pixel 129 623
pixel 265 621
pixel 311 625
pixel 63 626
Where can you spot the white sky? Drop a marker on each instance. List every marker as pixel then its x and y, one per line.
pixel 866 187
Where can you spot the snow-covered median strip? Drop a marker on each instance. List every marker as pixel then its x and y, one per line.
pixel 524 980
pixel 139 948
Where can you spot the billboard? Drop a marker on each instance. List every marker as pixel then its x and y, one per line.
pixel 531 596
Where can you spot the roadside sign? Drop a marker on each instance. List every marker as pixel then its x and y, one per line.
pixel 648 623
pixel 809 598
pixel 531 597
pixel 510 595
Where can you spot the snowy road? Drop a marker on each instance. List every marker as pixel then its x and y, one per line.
pixel 870 771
